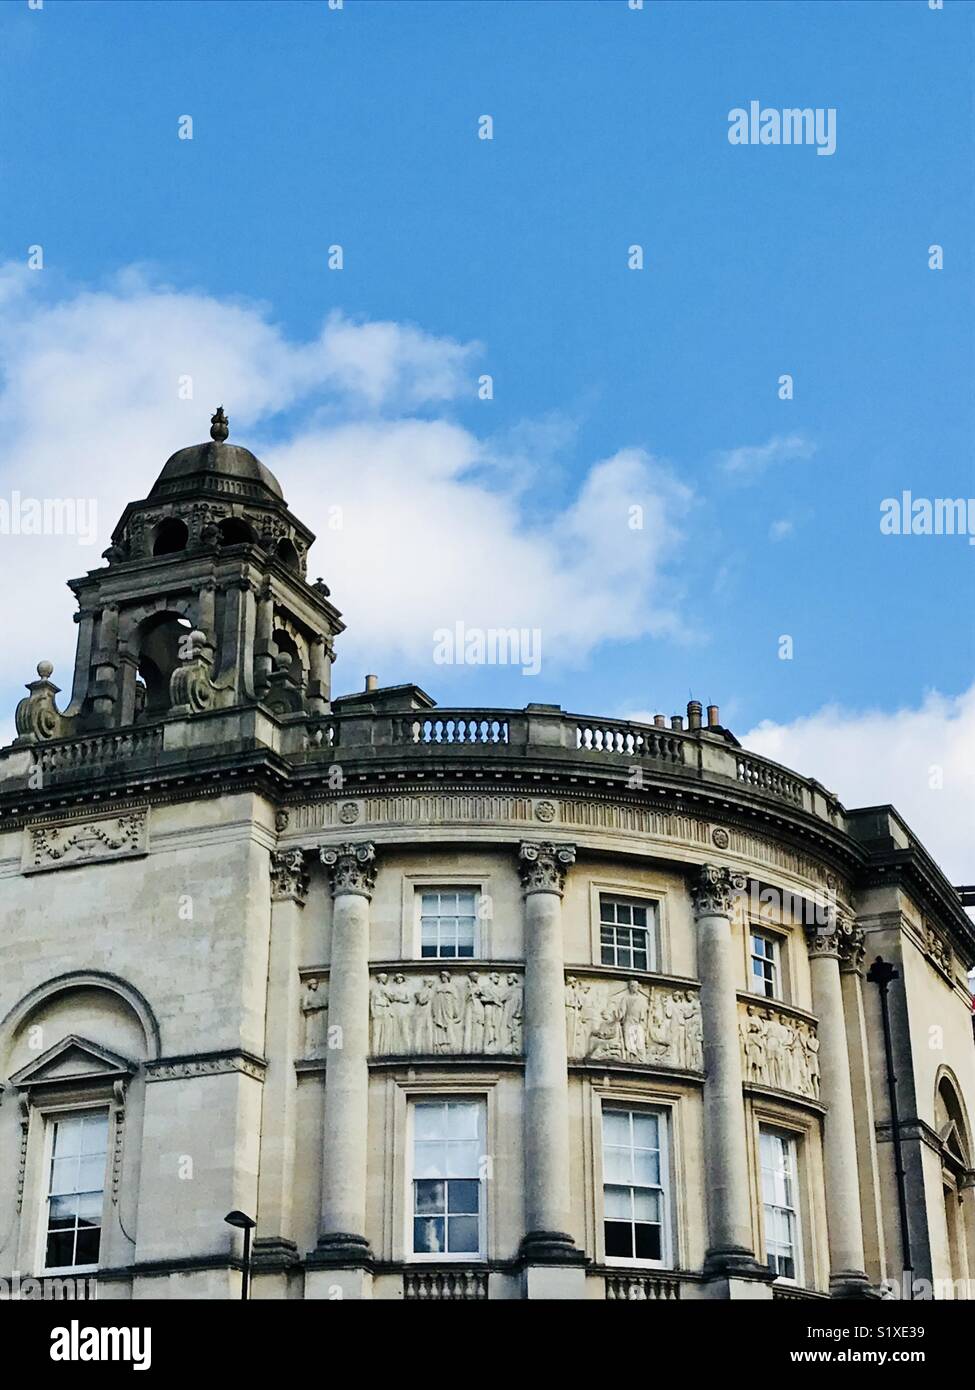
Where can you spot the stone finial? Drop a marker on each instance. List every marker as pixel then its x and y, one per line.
pixel 45 669
pixel 219 425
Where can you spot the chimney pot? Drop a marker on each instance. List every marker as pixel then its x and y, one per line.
pixel 660 720
pixel 693 714
pixel 372 682
pixel 713 720
pixel 676 721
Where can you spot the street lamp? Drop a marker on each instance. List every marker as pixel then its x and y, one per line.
pixel 244 1223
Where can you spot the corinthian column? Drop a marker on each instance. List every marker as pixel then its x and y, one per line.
pixel 730 1252
pixel 342 1243
pixel 289 891
pixel 839 938
pixel 546 1098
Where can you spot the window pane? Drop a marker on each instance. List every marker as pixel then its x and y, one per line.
pixel 618 1165
pixel 429 1196
pixel 619 1240
pixel 86 1246
pixel 64 1175
pixel 646 1130
pixel 462 1158
pixel 430 1120
pixel 61 1211
pixel 616 1127
pixel 462 1120
pixel 647 1242
pixel 618 1203
pixel 94 1134
pixel 463 1235
pixel 646 1167
pixel 463 1197
pixel 646 1205
pixel 60 1248
pixel 428 1235
pixel 90 1209
pixel 67 1138
pixel 430 1160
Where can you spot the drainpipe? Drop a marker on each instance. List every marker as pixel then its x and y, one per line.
pixel 881 973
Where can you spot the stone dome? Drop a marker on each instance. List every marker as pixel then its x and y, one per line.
pixel 216 460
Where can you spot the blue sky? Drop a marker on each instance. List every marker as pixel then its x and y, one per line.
pixel 359 127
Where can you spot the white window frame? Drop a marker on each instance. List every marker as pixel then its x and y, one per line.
pixel 445 1257
pixel 50 1118
pixel 664 1115
pixel 771 939
pixel 791 1142
pixel 652 929
pixel 414 885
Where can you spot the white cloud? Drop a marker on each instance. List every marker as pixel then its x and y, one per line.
pixel 779 530
pixel 748 462
pixel 876 757
pixel 435 522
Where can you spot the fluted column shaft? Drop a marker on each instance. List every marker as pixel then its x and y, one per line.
pixel 843 1215
pixel 546 1099
pixel 730 1248
pixel 345 1137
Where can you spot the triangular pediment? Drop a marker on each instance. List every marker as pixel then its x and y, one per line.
pixel 73 1059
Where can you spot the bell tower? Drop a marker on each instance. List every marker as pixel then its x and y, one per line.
pixel 203 605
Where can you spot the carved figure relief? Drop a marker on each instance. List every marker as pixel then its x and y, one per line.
pixel 314 1008
pixel 633 1023
pixel 780 1051
pixel 478 1014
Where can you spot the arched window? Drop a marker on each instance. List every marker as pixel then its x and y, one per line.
pixel 233 531
pixel 287 554
pixel 158 656
pixel 952 1126
pixel 171 536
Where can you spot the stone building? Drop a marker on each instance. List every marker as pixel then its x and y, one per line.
pixel 455 1003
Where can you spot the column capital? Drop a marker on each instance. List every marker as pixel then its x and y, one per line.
pixel 289 877
pixel 543 866
pixel 351 868
pixel 838 936
pixel 714 889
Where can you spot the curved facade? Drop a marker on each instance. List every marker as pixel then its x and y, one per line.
pixel 455 1003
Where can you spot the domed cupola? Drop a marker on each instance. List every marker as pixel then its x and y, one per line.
pixel 203 606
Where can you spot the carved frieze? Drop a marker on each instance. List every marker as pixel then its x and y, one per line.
pixel 205 1064
pixel 632 1021
pixel 778 1050
pixel 60 844
pixel 444 1013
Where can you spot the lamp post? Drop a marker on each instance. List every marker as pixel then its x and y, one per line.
pixel 244 1223
pixel 881 973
